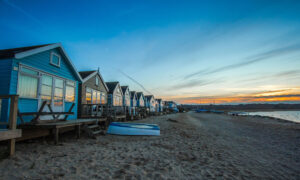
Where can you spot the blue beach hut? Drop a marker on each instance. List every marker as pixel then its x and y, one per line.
pixel 37 74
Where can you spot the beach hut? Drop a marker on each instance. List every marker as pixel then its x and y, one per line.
pixel 150 103
pixel 92 95
pixel 39 74
pixel 115 100
pixel 133 103
pixel 141 107
pixel 140 99
pixel 159 104
pixel 126 100
pixel 45 80
pixel 171 106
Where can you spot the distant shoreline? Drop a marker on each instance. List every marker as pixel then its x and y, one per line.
pixel 261 110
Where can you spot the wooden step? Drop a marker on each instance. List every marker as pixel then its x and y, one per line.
pixel 97 132
pixel 93 126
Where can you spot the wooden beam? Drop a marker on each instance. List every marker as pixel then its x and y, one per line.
pixel 10 134
pixel 13 122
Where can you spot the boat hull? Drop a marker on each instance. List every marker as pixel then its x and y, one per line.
pixel 133 129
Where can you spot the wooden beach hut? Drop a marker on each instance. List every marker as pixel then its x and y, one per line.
pixel 150 103
pixel 126 101
pixel 93 101
pixel 141 107
pixel 133 103
pixel 170 106
pixel 46 82
pixel 159 106
pixel 115 100
pixel 92 95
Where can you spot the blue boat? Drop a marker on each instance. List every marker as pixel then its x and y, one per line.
pixel 133 129
pixel 201 110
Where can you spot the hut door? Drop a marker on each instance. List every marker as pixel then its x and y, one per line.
pixel 51 91
pixel 46 86
pixel 58 98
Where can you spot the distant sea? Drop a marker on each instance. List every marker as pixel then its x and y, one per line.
pixel 287 115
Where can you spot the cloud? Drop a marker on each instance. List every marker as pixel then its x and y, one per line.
pixel 23 12
pixel 135 81
pixel 251 60
pixel 193 83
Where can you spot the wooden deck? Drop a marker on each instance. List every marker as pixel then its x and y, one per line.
pixel 7 134
pixel 11 133
pixel 55 127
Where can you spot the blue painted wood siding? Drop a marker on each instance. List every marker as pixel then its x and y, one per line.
pixel 41 61
pixel 5 76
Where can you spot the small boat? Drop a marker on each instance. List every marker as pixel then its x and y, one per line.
pixel 133 129
pixel 201 110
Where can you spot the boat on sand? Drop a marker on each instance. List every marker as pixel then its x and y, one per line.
pixel 133 129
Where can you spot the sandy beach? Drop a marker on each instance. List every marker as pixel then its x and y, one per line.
pixel 191 146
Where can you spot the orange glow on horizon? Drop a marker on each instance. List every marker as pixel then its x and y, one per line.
pixel 278 95
pixel 224 100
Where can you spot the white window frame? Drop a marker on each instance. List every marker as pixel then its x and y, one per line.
pixel 66 84
pixel 34 76
pixel 51 57
pixel 97 81
pixel 40 73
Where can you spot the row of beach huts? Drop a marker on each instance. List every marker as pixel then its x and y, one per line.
pixel 42 93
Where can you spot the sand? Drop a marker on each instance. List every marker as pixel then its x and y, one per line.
pixel 191 146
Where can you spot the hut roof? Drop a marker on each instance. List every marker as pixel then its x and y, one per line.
pixel 124 88
pixel 111 86
pixel 10 53
pixel 132 94
pixel 85 74
pixel 139 94
pixel 158 100
pixel 22 52
pixel 148 98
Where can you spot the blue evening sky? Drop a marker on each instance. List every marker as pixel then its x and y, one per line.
pixel 177 50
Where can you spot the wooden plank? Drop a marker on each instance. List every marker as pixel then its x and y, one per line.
pixel 33 133
pixel 36 119
pixel 21 117
pixel 10 134
pixel 4 123
pixel 13 122
pixel 56 135
pixel 78 131
pixel 5 96
pixel 45 113
pixel 51 111
pixel 70 110
pixel 13 112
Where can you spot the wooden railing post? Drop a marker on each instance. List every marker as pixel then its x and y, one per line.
pixel 13 121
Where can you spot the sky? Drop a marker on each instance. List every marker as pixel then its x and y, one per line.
pixel 201 52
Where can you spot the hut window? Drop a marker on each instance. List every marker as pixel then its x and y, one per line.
pixel 103 98
pixel 55 59
pixel 98 97
pixel 58 92
pixel 127 99
pixel 97 81
pixel 94 97
pixel 70 91
pixel 46 89
pixel 88 96
pixel 141 101
pixel 28 83
pixel 118 101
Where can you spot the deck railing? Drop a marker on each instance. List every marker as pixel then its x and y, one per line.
pixel 94 111
pixel 11 133
pixel 119 110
